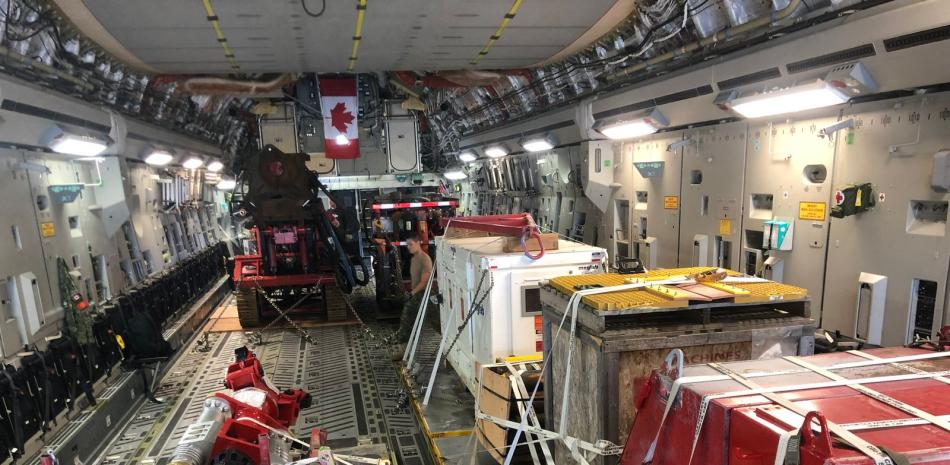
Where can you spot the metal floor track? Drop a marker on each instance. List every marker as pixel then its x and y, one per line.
pixel 449 415
pixel 358 397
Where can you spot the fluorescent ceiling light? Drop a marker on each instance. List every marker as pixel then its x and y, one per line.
pixel 159 158
pixel 629 130
pixel 226 184
pixel 193 163
pixel 631 126
pixel 537 143
pixel 468 156
pixel 79 145
pixel 455 175
pixel 215 166
pixel 818 94
pixel 496 151
pixel 341 140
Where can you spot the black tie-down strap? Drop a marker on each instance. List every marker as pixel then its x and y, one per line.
pixel 793 453
pixel 47 390
pixel 70 365
pixel 11 396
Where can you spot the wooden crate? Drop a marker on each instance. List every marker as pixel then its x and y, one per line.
pixel 550 241
pixel 512 244
pixel 496 398
pixel 615 351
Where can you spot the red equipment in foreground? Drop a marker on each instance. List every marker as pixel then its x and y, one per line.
pixel 248 426
pixel 881 406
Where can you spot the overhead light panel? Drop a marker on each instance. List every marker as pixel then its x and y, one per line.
pixel 496 151
pixel 62 141
pixel 193 163
pixel 818 94
pixel 468 156
pixel 632 125
pixel 455 175
pixel 537 143
pixel 159 157
pixel 226 185
pixel 215 166
pixel 839 86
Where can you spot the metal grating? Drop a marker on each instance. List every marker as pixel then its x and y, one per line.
pixel 683 95
pixel 759 292
pixel 915 39
pixel 357 395
pixel 664 99
pixel 750 78
pixel 834 58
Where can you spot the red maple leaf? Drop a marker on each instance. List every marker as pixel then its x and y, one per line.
pixel 340 118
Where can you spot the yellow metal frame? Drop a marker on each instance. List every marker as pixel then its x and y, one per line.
pixel 667 296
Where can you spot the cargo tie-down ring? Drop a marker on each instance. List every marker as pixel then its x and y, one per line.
pixel 532 232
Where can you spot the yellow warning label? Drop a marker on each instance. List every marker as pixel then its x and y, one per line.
pixel 812 211
pixel 857 199
pixel 671 202
pixel 48 229
pixel 725 227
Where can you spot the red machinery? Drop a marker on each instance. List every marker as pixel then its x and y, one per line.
pixel 249 425
pixel 296 258
pixel 875 407
pixel 393 220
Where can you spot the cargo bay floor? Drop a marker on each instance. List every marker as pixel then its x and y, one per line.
pixel 358 395
pixel 448 421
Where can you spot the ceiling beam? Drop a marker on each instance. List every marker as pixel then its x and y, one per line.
pixel 614 16
pixel 87 24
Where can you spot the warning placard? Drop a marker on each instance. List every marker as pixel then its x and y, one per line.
pixel 671 202
pixel 725 227
pixel 48 229
pixel 812 211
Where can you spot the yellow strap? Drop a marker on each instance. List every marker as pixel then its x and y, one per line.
pixel 497 35
pixel 358 35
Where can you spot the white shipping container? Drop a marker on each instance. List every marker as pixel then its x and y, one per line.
pixel 510 321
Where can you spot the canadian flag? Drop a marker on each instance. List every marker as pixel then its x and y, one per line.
pixel 340 106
